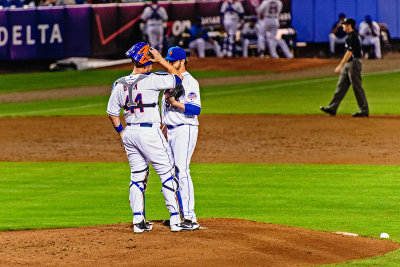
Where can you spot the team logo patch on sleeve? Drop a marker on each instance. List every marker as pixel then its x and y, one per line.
pixel 192 96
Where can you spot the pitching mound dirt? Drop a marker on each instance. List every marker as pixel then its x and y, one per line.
pixel 225 242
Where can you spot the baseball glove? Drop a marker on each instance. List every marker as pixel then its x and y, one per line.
pixel 176 92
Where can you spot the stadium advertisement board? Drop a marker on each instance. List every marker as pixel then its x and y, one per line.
pixel 4 54
pixel 98 30
pixel 49 41
pixel 21 34
pixel 38 33
pixel 104 26
pixel 77 31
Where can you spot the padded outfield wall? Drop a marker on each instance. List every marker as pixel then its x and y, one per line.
pixel 109 30
pixel 97 30
pixel 313 19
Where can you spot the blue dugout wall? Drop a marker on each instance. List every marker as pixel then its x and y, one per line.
pixel 313 19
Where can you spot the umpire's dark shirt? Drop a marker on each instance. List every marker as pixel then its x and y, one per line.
pixel 353 45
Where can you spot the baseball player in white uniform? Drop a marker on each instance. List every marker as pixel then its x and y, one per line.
pixel 269 12
pixel 180 118
pixel 199 40
pixel 137 94
pixel 232 12
pixel 369 32
pixel 249 35
pixel 155 16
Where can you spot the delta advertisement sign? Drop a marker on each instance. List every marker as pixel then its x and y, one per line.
pixel 44 33
pixel 106 30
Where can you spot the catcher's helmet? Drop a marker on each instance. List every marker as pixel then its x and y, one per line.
pixel 140 53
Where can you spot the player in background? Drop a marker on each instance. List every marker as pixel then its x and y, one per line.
pixel 137 94
pixel 180 118
pixel 155 16
pixel 249 35
pixel 232 12
pixel 199 40
pixel 337 35
pixel 369 32
pixel 269 12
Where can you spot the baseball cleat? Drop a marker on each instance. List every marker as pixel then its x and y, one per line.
pixel 195 225
pixel 183 226
pixel 166 222
pixel 142 227
pixel 149 224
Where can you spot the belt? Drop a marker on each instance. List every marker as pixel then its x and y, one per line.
pixel 141 124
pixel 173 126
pixel 353 59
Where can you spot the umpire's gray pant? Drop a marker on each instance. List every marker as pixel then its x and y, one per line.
pixel 350 75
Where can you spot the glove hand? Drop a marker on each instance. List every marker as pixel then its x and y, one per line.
pixel 171 100
pixel 176 92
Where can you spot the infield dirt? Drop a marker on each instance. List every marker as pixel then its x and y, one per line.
pixel 222 138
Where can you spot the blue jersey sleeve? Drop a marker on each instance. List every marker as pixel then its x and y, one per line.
pixel 192 109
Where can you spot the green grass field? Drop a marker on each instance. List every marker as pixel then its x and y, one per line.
pixel 281 97
pixel 359 199
pixel 50 80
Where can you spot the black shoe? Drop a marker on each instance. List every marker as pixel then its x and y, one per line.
pixel 360 114
pixel 327 110
pixel 183 226
pixel 166 223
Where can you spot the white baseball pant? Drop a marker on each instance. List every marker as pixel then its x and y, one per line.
pixel 145 145
pixel 182 140
pixel 375 41
pixel 334 40
pixel 200 45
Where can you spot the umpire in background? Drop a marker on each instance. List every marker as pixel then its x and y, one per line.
pixel 350 73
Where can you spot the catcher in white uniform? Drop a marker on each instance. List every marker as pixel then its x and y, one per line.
pixel 137 94
pixel 232 12
pixel 269 12
pixel 155 16
pixel 180 117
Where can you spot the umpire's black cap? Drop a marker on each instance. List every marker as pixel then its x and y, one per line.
pixel 351 22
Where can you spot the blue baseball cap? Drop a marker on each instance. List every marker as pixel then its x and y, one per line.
pixel 176 53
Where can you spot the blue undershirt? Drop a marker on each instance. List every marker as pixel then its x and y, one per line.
pixel 192 109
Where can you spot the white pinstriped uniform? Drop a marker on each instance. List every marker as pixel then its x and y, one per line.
pixel 143 140
pixel 182 137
